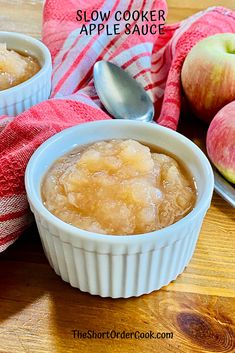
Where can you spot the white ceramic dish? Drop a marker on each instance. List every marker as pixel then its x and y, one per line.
pixel 35 90
pixel 118 266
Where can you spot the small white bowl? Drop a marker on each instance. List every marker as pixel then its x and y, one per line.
pixel 109 265
pixel 35 90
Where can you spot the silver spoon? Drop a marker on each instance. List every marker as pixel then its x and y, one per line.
pixel 122 96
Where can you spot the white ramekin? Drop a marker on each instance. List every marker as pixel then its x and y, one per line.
pixel 118 266
pixel 35 90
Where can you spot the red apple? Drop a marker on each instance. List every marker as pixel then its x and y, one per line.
pixel 208 75
pixel 220 141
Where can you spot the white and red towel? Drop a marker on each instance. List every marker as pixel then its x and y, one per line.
pixel 154 60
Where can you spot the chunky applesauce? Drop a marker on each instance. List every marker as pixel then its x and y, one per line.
pixel 15 68
pixel 119 187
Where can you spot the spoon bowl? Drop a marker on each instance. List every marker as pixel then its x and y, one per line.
pixel 121 95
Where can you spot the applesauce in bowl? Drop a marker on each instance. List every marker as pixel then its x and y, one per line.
pixel 15 67
pixel 25 72
pixel 118 266
pixel 118 187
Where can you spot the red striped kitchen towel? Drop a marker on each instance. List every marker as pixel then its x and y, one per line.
pixel 154 60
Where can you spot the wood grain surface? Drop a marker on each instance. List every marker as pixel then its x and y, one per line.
pixel 38 311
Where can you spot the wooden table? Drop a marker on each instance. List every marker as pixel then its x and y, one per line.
pixel 38 311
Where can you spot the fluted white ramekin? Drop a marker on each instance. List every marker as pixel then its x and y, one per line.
pixel 118 266
pixel 35 90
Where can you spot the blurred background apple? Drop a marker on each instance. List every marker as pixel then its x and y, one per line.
pixel 220 141
pixel 208 75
